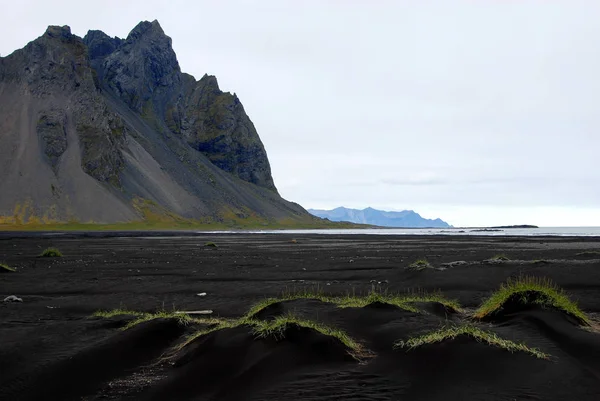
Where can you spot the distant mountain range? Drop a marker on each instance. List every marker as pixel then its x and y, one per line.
pixel 405 218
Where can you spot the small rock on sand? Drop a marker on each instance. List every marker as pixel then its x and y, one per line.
pixel 12 298
pixel 202 294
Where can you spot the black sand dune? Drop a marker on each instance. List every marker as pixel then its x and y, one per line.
pixel 50 347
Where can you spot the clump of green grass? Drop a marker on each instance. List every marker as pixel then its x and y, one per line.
pixel 353 301
pixel 182 318
pixel 403 301
pixel 420 264
pixel 215 324
pixel 288 296
pixel 451 332
pixel 211 245
pixel 4 268
pixel 51 253
pixel 530 291
pixel 500 258
pixel 437 296
pixel 116 312
pixel 276 328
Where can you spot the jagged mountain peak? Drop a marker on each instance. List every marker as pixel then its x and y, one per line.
pixel 149 32
pixel 146 27
pixel 107 126
pixel 55 31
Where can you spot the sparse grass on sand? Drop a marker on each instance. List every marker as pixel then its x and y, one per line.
pixel 451 332
pixel 531 291
pixel 420 264
pixel 589 253
pixel 182 318
pixel 51 253
pixel 277 327
pixel 403 301
pixel 4 268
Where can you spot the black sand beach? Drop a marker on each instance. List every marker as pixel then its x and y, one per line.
pixel 52 349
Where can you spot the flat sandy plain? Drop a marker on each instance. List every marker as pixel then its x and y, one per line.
pixel 52 349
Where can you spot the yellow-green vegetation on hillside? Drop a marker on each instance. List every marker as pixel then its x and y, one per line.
pixel 451 332
pixel 156 217
pixel 530 291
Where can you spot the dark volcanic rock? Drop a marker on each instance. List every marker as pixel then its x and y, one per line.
pixel 57 72
pixel 216 124
pixel 100 44
pixel 52 133
pixel 144 72
pixel 120 133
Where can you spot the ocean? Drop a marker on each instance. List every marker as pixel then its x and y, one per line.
pixel 526 232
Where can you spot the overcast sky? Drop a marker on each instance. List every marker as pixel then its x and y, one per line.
pixel 477 112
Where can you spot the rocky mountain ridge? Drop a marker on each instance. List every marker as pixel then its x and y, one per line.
pixel 109 130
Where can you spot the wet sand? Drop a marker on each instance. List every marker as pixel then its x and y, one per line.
pixel 50 347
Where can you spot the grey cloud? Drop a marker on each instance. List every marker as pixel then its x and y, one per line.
pixel 474 109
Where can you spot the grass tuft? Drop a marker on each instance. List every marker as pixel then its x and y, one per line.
pixel 451 332
pixel 403 301
pixel 276 328
pixel 182 318
pixel 420 264
pixel 500 257
pixel 116 312
pixel 211 245
pixel 4 268
pixel 288 296
pixel 51 253
pixel 531 291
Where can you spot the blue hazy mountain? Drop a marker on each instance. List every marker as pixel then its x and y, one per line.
pixel 405 218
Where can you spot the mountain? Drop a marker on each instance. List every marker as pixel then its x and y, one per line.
pixel 405 218
pixel 101 129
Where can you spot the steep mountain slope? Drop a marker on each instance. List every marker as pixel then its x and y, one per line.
pixel 109 130
pixel 405 218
